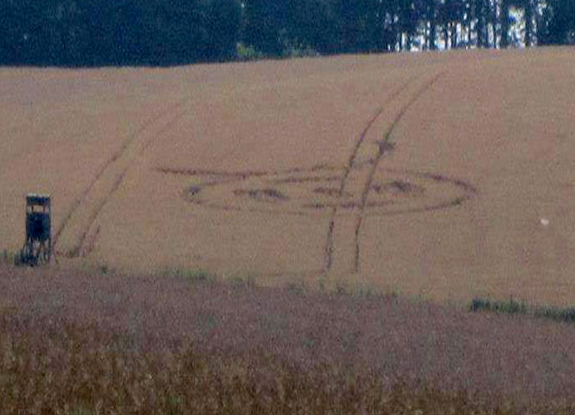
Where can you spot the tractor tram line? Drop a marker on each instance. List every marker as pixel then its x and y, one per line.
pixel 77 232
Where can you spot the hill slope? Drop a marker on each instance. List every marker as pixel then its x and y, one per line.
pixel 429 174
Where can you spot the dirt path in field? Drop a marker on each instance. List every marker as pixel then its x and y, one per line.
pixel 77 232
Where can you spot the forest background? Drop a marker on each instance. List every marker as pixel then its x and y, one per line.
pixel 88 33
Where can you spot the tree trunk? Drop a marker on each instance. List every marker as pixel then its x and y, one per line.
pixel 528 23
pixel 469 23
pixel 504 18
pixel 488 20
pixel 432 27
pixel 454 39
pixel 479 23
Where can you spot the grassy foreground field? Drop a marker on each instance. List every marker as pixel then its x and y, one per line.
pixel 445 176
pixel 89 343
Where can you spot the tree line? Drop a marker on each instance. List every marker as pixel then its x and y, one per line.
pixel 171 32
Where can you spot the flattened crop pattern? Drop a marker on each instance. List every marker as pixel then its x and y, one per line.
pixel 361 188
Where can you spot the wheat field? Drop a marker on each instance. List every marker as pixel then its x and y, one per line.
pixel 443 176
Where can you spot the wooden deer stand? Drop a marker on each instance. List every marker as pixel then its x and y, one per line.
pixel 38 246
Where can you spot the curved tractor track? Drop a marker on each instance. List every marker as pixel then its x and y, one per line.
pixel 77 232
pixel 391 114
pixel 329 248
pixel 384 146
pixel 352 192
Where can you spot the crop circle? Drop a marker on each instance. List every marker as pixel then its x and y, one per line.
pixel 319 191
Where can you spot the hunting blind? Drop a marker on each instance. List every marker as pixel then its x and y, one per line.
pixel 38 246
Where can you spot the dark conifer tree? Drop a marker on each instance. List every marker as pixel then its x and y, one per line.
pixel 223 28
pixel 558 23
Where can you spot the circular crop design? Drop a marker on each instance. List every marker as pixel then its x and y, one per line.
pixel 319 191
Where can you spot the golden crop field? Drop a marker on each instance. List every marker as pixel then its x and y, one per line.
pixel 446 175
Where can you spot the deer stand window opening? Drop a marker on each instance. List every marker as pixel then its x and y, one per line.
pixel 38 246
